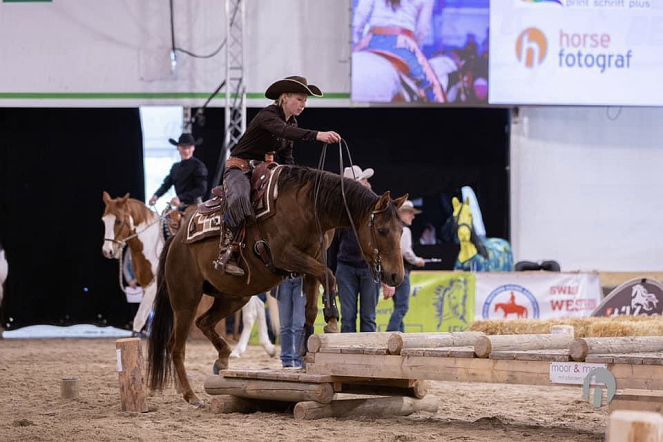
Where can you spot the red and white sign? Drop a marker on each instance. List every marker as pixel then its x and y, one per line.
pixel 536 295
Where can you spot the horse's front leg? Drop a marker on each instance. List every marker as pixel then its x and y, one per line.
pixel 222 307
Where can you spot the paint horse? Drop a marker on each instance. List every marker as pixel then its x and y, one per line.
pixel 309 204
pixel 477 254
pixel 129 222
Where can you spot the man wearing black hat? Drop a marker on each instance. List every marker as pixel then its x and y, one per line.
pixel 273 131
pixel 189 176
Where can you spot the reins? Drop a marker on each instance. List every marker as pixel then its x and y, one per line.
pixel 123 243
pixel 376 266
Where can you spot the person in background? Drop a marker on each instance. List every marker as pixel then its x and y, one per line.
pixel 354 278
pixel 428 235
pixel 292 306
pixel 273 131
pixel 401 297
pixel 189 176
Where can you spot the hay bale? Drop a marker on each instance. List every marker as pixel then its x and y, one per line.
pixel 584 327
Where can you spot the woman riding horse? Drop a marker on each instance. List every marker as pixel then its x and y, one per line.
pixel 273 130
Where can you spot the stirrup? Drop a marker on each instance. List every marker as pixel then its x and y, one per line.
pixel 226 263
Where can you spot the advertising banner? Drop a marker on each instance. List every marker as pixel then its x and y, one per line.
pixel 536 295
pixel 439 302
pixel 576 52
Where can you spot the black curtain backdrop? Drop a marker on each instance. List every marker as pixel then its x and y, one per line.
pixel 429 153
pixel 54 165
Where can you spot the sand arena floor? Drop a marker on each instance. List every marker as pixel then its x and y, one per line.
pixel 32 409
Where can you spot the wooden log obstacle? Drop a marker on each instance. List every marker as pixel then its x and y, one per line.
pixel 131 373
pixel 315 396
pixel 399 365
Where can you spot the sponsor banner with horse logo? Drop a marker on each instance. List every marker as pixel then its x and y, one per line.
pixel 439 302
pixel 544 295
pixel 639 296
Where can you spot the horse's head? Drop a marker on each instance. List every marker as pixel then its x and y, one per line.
pixel 119 224
pixel 380 239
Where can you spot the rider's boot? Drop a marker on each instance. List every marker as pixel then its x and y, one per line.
pixel 227 262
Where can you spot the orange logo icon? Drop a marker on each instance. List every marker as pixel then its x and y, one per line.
pixel 531 47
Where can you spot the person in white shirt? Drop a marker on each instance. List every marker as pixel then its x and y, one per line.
pixel 401 296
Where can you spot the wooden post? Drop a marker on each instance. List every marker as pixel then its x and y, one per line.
pixel 581 347
pixel 133 390
pixel 485 344
pixel 381 406
pixel 271 390
pixel 627 425
pixel 399 341
pixel 69 388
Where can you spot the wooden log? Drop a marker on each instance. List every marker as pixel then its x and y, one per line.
pixel 485 344
pixel 399 341
pixel 419 389
pixel 69 388
pixel 270 390
pixel 376 339
pixel 233 404
pixel 638 400
pixel 133 389
pixel 628 425
pixel 581 347
pixel 380 407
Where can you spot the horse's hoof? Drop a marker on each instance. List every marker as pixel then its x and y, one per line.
pixel 194 401
pixel 218 366
pixel 271 351
pixel 332 327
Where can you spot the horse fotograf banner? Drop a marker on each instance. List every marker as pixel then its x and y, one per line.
pixel 536 295
pixel 576 52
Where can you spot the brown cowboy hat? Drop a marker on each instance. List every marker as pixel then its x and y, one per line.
pixel 292 84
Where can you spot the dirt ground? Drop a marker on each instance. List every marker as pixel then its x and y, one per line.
pixel 31 408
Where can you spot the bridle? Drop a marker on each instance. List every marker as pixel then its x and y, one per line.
pixel 376 265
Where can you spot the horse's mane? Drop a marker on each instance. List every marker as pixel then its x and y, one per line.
pixel 360 199
pixel 137 209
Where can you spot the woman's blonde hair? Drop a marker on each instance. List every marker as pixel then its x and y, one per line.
pixel 279 101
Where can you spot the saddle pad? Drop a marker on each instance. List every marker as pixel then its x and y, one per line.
pixel 203 226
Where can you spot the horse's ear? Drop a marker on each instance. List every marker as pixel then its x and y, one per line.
pixel 398 202
pixel 106 197
pixel 384 201
pixel 455 203
pixel 467 201
pixel 124 198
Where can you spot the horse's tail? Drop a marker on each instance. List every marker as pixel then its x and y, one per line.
pixel 159 365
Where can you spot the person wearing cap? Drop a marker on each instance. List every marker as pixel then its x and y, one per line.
pixel 401 296
pixel 189 176
pixel 272 131
pixel 355 280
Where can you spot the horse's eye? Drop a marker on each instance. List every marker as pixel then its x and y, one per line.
pixel 117 221
pixel 382 231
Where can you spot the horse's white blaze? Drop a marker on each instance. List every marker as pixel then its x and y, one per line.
pixel 109 249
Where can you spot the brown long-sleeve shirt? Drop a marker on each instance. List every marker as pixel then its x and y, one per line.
pixel 270 132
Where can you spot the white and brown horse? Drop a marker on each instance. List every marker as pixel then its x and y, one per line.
pixel 129 222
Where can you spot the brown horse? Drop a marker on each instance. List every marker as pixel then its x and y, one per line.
pixel 310 202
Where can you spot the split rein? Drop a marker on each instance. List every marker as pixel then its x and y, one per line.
pixel 376 266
